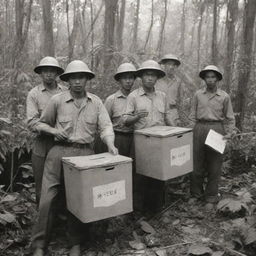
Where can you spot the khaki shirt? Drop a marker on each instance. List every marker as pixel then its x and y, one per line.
pixel 116 107
pixel 172 88
pixel 155 105
pixel 37 100
pixel 213 107
pixel 81 123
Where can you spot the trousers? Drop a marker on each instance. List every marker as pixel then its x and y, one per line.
pixel 52 186
pixel 207 162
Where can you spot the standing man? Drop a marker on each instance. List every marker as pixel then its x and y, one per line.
pixel 116 107
pixel 171 85
pixel 72 117
pixel 37 100
pixel 211 109
pixel 147 107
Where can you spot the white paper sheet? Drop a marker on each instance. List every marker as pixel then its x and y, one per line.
pixel 180 155
pixel 109 194
pixel 215 141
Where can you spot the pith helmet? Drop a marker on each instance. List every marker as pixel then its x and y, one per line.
pixel 49 62
pixel 211 68
pixel 125 68
pixel 150 65
pixel 76 66
pixel 169 57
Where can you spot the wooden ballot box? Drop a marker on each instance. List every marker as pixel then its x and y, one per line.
pixel 164 152
pixel 98 186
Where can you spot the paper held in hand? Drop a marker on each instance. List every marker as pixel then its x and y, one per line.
pixel 215 141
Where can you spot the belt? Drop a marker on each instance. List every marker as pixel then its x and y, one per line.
pixel 72 144
pixel 209 121
pixel 124 133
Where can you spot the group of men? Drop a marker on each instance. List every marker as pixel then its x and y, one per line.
pixel 66 120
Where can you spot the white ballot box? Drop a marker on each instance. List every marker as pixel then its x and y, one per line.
pixel 98 186
pixel 215 141
pixel 164 152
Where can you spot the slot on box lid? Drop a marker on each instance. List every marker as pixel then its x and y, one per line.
pixel 95 161
pixel 163 131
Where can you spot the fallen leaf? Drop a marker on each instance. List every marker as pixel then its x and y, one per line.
pixel 8 198
pixel 161 252
pixel 8 217
pixel 146 227
pixel 176 222
pixel 231 206
pixel 152 241
pixel 137 245
pixel 250 236
pixel 199 250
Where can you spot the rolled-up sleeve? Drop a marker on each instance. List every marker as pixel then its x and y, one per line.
pixel 104 122
pixel 33 114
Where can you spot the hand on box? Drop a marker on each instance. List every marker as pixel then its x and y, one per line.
pixel 113 150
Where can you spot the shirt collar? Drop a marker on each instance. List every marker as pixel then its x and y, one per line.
pixel 142 91
pixel 42 87
pixel 218 92
pixel 68 97
pixel 119 94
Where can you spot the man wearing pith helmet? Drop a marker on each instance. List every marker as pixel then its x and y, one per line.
pixel 211 109
pixel 171 85
pixel 147 107
pixel 37 100
pixel 72 117
pixel 116 107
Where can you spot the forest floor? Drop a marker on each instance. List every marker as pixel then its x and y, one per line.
pixel 180 229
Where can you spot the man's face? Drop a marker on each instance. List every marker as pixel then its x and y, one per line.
pixel 170 66
pixel 77 82
pixel 211 79
pixel 48 74
pixel 126 81
pixel 149 78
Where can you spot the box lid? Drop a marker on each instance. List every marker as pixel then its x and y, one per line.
pixel 163 131
pixel 95 161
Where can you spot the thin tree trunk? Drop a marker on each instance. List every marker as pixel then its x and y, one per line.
pixel 214 34
pixel 150 26
pixel 231 29
pixel 183 28
pixel 245 60
pixel 109 29
pixel 199 30
pixel 134 44
pixel 48 43
pixel 161 33
pixel 120 26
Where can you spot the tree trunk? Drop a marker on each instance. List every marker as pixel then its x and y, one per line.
pixel 48 43
pixel 109 29
pixel 161 33
pixel 202 8
pixel 245 60
pixel 120 26
pixel 150 26
pixel 183 28
pixel 214 33
pixel 231 29
pixel 134 44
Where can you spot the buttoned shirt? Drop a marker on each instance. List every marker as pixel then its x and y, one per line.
pixel 172 88
pixel 37 100
pixel 155 104
pixel 80 123
pixel 213 107
pixel 116 107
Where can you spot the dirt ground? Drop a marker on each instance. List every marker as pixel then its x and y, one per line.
pixel 179 229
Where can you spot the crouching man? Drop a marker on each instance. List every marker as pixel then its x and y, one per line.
pixel 72 117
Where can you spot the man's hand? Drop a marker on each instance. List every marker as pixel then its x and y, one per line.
pixel 60 135
pixel 113 150
pixel 142 113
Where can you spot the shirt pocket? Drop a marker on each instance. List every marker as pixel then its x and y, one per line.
pixel 90 124
pixel 66 123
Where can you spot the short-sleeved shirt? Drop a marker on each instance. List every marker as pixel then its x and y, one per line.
pixel 172 88
pixel 80 123
pixel 116 107
pixel 155 105
pixel 37 100
pixel 213 107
